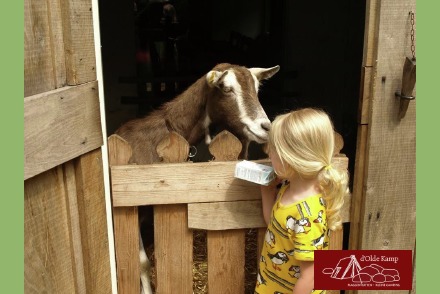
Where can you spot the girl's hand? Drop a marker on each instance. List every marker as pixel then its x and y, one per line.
pixel 272 188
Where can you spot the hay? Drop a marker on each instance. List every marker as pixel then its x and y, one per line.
pixel 150 253
pixel 200 262
pixel 251 260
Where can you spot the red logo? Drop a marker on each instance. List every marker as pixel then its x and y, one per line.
pixel 363 269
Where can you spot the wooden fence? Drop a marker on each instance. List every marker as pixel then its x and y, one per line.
pixel 188 196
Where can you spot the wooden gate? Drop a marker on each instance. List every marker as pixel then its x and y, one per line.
pixel 188 196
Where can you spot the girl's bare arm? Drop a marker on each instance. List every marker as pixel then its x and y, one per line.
pixel 305 283
pixel 268 197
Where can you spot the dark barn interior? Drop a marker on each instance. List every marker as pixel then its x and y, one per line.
pixel 153 50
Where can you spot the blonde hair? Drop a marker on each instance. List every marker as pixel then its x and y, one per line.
pixel 304 142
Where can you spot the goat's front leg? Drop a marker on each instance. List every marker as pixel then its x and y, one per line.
pixel 144 269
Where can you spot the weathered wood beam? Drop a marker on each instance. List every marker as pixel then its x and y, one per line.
pixel 60 125
pixel 134 185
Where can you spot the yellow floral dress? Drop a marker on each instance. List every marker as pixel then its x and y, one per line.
pixel 294 233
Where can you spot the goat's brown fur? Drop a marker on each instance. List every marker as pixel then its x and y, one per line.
pixel 186 114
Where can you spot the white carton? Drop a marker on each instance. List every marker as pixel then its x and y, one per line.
pixel 254 172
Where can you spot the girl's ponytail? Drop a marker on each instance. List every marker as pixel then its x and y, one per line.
pixel 334 186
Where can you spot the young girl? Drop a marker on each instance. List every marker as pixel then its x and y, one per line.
pixel 301 214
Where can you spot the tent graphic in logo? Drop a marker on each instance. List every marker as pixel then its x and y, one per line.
pixel 349 268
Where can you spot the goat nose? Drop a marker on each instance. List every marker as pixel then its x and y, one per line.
pixel 265 126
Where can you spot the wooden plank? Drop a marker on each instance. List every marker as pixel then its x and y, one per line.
pixel 333 292
pixel 93 222
pixel 225 147
pixel 226 249
pixel 413 291
pixel 386 217
pixel 173 241
pixel 125 226
pixel 365 97
pixel 173 249
pixel 173 148
pixel 195 182
pixel 336 240
pixel 79 197
pixel 370 33
pixel 390 179
pixel 48 256
pixel 384 183
pixel 44 65
pixel 60 125
pixel 120 151
pixel 358 200
pixel 74 225
pixel 135 185
pixel 79 41
pixel 226 259
pixel 236 215
pixel 225 215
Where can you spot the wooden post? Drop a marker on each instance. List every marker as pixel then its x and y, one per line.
pixel 383 214
pixel 92 220
pixel 173 240
pixel 226 249
pixel 126 227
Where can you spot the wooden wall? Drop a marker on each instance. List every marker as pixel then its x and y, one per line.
pixel 66 243
pixel 66 247
pixel 384 198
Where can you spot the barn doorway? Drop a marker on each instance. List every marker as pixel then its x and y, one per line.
pixel 153 50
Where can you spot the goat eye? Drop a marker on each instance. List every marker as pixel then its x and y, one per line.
pixel 227 89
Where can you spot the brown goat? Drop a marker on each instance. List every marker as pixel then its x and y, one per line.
pixel 227 96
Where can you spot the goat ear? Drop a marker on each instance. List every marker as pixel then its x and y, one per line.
pixel 214 77
pixel 264 73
